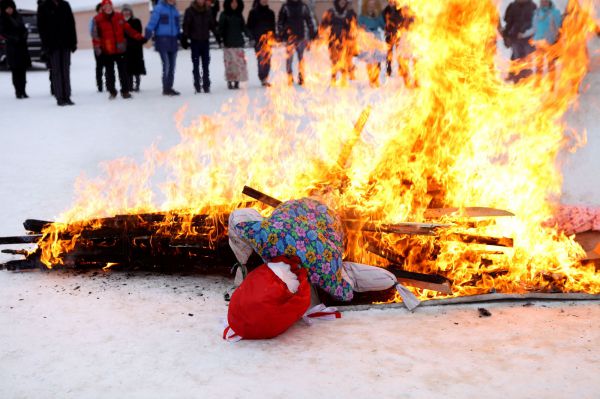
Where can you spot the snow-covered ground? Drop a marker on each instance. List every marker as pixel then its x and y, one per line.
pixel 118 335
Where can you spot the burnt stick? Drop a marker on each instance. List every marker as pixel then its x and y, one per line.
pixel 261 197
pixel 30 239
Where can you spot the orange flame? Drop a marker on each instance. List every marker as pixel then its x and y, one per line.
pixel 463 137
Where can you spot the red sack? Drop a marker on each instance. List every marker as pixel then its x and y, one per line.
pixel 263 306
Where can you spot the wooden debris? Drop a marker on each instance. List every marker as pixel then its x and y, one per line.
pixel 471 212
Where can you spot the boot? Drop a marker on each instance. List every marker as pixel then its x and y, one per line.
pixel 300 79
pixel 136 88
pixel 236 85
pixel 229 85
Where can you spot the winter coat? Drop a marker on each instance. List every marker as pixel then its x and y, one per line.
pixel 135 50
pixel 341 22
pixel 372 24
pixel 198 22
pixel 56 25
pixel 395 20
pixel 108 33
pixel 15 33
pixel 295 21
pixel 518 18
pixel 261 21
pixel 164 27
pixel 232 26
pixel 546 24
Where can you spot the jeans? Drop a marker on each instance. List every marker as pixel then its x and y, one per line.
pixel 297 46
pixel 109 62
pixel 168 59
pixel 200 49
pixel 263 58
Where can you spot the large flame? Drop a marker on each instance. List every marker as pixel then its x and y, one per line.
pixel 463 137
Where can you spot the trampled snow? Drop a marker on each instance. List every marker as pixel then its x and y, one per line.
pixel 118 335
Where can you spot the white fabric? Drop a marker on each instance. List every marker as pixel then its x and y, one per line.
pixel 283 271
pixel 230 336
pixel 365 278
pixel 241 248
pixel 409 299
pixel 308 319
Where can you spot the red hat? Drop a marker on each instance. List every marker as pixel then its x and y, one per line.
pixel 263 306
pixel 105 2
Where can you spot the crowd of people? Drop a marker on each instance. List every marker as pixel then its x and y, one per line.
pixel 118 40
pixel 530 32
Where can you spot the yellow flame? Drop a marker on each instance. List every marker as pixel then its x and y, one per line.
pixel 463 137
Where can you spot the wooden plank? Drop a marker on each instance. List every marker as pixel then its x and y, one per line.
pixel 261 197
pixel 471 211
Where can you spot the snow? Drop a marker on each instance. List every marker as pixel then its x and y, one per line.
pixel 150 336
pixel 66 334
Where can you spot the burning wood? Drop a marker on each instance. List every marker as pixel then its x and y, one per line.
pixel 464 136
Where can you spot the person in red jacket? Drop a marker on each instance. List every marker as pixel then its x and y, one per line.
pixel 110 43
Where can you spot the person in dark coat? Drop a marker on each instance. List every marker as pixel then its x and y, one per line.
pixel 261 24
pixel 295 26
pixel 109 40
pixel 232 29
pixel 134 54
pixel 517 34
pixel 14 31
pixel 56 25
pixel 340 22
pixel 397 22
pixel 198 22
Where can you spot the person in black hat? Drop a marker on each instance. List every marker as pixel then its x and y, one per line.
pixel 14 31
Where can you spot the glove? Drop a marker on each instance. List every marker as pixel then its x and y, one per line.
pixel 97 51
pixel 144 41
pixel 185 43
pixel 73 49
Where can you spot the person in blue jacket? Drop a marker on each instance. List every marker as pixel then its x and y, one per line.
pixel 164 28
pixel 547 21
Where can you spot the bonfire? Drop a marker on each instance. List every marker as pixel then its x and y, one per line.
pixel 450 184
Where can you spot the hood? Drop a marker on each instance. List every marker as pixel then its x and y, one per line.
pixel 227 7
pixel 128 8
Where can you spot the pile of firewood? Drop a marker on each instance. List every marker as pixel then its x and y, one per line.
pixel 154 242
